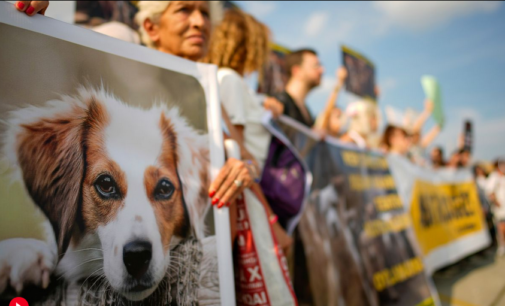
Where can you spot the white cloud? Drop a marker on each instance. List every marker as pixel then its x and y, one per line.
pixel 419 15
pixel 315 23
pixel 259 9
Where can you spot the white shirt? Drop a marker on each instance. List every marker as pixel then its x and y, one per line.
pixel 243 109
pixel 496 184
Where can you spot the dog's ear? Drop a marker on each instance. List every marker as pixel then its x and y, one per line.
pixel 193 167
pixel 49 150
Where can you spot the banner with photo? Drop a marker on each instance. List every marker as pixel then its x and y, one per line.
pixel 107 152
pixel 446 211
pixel 359 244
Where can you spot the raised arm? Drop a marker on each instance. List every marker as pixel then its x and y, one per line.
pixel 421 120
pixel 323 120
pixel 430 136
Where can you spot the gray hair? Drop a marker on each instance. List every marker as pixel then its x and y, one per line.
pixel 149 10
pixel 153 10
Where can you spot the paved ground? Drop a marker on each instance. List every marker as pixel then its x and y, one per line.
pixel 476 281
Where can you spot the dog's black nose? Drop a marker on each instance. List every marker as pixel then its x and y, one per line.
pixel 136 257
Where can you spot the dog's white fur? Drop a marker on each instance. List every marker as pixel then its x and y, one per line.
pixel 133 140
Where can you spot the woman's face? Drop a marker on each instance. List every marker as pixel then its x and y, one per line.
pixel 184 29
pixel 374 122
pixel 479 172
pixel 400 142
pixel 335 121
pixel 436 155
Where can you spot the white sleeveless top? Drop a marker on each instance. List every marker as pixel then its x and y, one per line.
pixel 244 109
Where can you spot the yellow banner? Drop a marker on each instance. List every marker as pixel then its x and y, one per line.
pixel 444 213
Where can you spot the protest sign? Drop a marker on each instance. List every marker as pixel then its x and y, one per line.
pixel 468 136
pixel 357 237
pixel 432 91
pixel 107 152
pixel 360 74
pixel 445 210
pixel 275 76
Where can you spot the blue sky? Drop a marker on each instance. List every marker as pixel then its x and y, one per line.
pixel 460 43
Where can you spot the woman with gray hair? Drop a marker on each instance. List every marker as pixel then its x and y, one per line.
pixel 180 28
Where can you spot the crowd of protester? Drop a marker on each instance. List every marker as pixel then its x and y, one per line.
pixel 239 45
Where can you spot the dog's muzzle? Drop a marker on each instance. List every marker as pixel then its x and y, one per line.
pixel 136 257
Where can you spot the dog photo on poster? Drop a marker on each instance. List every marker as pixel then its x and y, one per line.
pixel 105 167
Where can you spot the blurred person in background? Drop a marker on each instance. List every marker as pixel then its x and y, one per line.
pixel 454 161
pixel 495 189
pixel 396 140
pixel 480 178
pixel 331 119
pixel 480 175
pixel 420 143
pixel 363 118
pixel 459 159
pixel 465 157
pixel 305 72
pixel 95 13
pixel 437 157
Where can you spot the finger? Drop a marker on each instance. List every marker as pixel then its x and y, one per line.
pixel 234 191
pixel 22 5
pixel 37 7
pixel 214 186
pixel 229 183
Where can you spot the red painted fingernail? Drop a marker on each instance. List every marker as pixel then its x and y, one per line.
pixel 214 202
pixel 228 204
pixel 220 205
pixel 30 10
pixel 20 5
pixel 212 193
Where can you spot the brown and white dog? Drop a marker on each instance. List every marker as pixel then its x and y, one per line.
pixel 121 186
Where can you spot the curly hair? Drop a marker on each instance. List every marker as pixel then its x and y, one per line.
pixel 239 42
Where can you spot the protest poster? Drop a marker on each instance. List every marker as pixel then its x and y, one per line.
pixel 468 135
pixel 445 209
pixel 360 74
pixel 358 242
pixel 107 150
pixel 275 76
pixel 432 91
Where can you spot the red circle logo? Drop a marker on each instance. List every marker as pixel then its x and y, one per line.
pixel 19 301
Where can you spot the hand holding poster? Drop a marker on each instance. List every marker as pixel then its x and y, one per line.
pixel 360 74
pixel 112 146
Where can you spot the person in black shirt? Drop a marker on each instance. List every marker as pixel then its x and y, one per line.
pixel 305 73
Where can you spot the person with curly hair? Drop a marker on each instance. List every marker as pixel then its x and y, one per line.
pixel 240 46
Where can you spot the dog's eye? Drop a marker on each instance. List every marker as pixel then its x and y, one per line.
pixel 106 187
pixel 164 190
